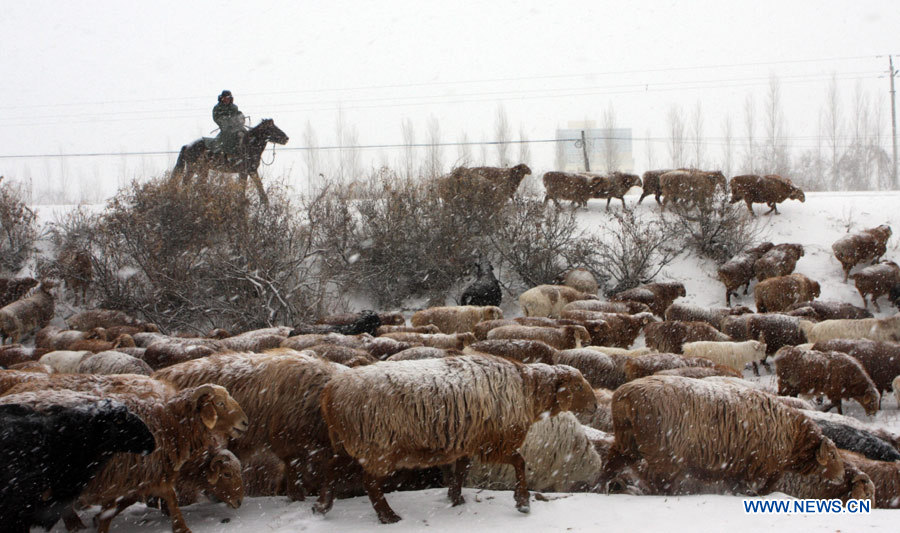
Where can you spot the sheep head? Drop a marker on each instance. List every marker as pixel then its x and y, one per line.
pixel 797 194
pixel 573 392
pixel 870 401
pixel 862 487
pixel 828 457
pixel 219 411
pixel 224 476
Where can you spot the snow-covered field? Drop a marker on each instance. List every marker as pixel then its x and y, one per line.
pixel 815 224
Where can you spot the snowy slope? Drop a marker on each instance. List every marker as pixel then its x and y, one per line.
pixel 816 224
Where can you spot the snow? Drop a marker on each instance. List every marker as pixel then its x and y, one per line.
pixel 817 223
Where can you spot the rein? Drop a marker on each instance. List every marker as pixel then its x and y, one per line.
pixel 261 160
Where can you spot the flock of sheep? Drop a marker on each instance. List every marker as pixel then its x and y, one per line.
pixel 109 411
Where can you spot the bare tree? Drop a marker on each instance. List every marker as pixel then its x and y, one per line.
pixel 408 158
pixel 434 151
pixel 649 143
pixel 483 152
pixel 560 156
pixel 727 146
pixel 676 136
pixel 311 156
pixel 749 129
pixel 697 135
pixel 524 147
pixel 832 131
pixel 611 157
pixel 464 151
pixel 776 156
pixel 502 136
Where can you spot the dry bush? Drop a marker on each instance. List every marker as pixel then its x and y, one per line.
pixel 204 256
pixel 715 229
pixel 631 250
pixel 71 237
pixel 18 230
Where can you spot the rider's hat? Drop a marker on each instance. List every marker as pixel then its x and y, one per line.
pixel 224 94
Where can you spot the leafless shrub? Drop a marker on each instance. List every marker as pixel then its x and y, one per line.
pixel 714 229
pixel 206 257
pixel 630 249
pixel 71 236
pixel 18 229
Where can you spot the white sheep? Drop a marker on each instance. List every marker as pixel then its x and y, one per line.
pixel 65 361
pixel 112 362
pixel 559 457
pixel 732 354
pixel 549 300
pixel 612 350
pixel 876 329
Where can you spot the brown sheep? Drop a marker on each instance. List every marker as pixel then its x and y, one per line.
pixel 482 183
pixel 670 336
pixel 32 366
pixel 522 350
pixel 628 307
pixel 343 354
pixel 561 338
pixel 54 338
pixel 549 300
pixel 772 329
pixel 657 296
pixel 580 279
pixel 498 399
pixel 711 315
pixel 621 329
pixel 614 185
pixel 770 190
pixel 457 318
pixel 692 187
pixel 650 185
pixel 693 429
pixel 833 374
pixel 428 328
pixel 379 347
pixel 279 391
pixel 778 294
pixel 739 270
pixel 867 245
pixel 482 328
pixel 112 362
pixel 780 260
pixel 12 289
pixel 880 359
pixel 827 310
pixel 600 417
pixel 76 271
pixel 599 369
pixel 575 188
pixel 165 353
pixel 646 365
pixel 28 314
pixel 454 341
pixel 184 423
pixel 423 352
pixel 11 354
pixel 876 280
pixel 98 345
pixel 700 372
pixel 885 477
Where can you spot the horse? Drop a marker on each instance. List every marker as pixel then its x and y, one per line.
pixel 198 159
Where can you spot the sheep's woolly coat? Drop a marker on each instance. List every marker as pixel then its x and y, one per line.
pixel 834 374
pixel 732 354
pixel 688 428
pixel 561 338
pixel 876 329
pixel 522 350
pixel 113 362
pixel 780 293
pixel 279 391
pixel 559 457
pixel 884 475
pixel 414 414
pixel 456 319
pixel 549 300
pixel 599 369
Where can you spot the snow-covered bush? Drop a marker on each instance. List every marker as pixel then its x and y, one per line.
pixel 18 230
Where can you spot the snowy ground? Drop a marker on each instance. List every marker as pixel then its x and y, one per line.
pixel 816 224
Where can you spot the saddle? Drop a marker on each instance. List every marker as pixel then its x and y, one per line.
pixel 230 145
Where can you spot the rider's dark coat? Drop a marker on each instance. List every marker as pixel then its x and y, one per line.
pixel 231 126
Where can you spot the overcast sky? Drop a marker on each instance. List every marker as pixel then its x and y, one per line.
pixel 86 77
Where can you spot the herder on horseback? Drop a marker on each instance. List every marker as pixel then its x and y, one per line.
pixel 236 150
pixel 231 124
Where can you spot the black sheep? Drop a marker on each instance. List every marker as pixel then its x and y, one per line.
pixel 362 322
pixel 49 455
pixel 859 441
pixel 485 290
pixel 894 296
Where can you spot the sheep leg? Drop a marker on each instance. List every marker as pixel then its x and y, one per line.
pixel 458 477
pixel 771 208
pixel 110 510
pixel 756 369
pixel 521 494
pixel 833 403
pixel 657 195
pixel 326 491
pixel 171 501
pixel 293 478
pixel 608 200
pixel 750 207
pixel 386 515
pixel 875 303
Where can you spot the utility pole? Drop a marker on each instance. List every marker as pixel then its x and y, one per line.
pixel 583 145
pixel 893 73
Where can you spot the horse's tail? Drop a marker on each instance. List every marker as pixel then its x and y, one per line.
pixel 180 166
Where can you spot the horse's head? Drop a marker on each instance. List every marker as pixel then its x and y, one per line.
pixel 271 132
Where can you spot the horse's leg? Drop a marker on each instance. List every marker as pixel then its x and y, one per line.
pixel 259 187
